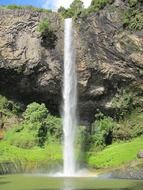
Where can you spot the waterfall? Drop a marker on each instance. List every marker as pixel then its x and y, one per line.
pixel 70 100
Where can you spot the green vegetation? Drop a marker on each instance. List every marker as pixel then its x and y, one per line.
pixel 44 25
pixel 123 103
pixel 74 11
pixel 133 15
pixel 54 132
pixel 12 153
pixel 105 130
pixel 116 154
pixel 30 159
pixel 37 127
pixel 28 133
pixel 33 142
pixel 35 135
pixel 130 127
pixel 133 19
pixel 36 139
pixel 77 9
pixel 133 3
pixel 96 5
pixel 48 36
pixel 9 107
pixel 102 132
pixel 14 6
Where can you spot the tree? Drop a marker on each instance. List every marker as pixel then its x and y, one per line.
pixel 74 11
pixel 99 4
pixel 77 5
pixel 36 112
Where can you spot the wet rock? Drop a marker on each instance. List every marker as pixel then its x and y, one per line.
pixel 128 173
pixel 140 154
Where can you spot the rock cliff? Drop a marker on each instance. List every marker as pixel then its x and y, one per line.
pixel 109 58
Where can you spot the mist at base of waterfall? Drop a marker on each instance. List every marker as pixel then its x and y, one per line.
pixel 79 173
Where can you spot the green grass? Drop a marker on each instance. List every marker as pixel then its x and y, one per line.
pixel 10 153
pixel 116 154
pixel 19 160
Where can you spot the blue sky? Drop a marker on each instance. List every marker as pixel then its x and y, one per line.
pixel 49 4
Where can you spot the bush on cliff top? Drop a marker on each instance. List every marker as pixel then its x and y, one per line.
pixel 77 8
pixel 74 10
pixel 99 4
pixel 30 7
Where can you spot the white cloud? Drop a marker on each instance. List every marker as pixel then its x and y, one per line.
pixel 55 4
pixel 63 3
pixel 87 3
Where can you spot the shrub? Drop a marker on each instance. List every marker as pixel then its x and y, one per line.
pixel 96 5
pixel 133 19
pixel 100 4
pixel 123 103
pixel 35 112
pixel 61 10
pixel 3 102
pixel 9 107
pixel 37 128
pixel 48 37
pixel 54 126
pixel 130 127
pixel 74 11
pixel 33 130
pixel 22 135
pixel 35 117
pixel 102 132
pixel 44 25
pixel 132 3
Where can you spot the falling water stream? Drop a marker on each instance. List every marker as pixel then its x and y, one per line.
pixel 70 100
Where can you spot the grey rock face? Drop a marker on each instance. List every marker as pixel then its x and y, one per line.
pixel 29 71
pixel 140 154
pixel 108 59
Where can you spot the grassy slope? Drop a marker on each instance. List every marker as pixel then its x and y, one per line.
pixel 10 152
pixel 31 158
pixel 113 156
pixel 116 154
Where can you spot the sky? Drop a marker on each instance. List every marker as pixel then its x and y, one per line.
pixel 48 4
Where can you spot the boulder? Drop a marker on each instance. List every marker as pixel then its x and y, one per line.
pixel 140 154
